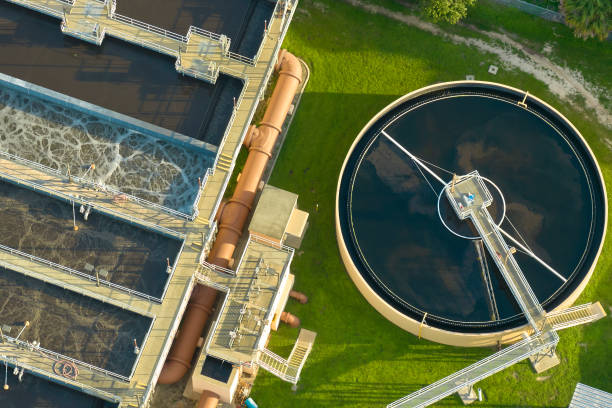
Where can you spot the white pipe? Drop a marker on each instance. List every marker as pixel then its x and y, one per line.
pixel 544 264
pixel 413 157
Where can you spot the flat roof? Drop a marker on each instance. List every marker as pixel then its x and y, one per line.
pixel 121 253
pixel 243 21
pixel 124 78
pixel 71 324
pixel 273 212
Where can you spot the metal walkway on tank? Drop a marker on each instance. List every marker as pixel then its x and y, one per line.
pixel 200 54
pixel 469 197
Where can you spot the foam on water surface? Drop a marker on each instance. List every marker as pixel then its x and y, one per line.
pixel 60 138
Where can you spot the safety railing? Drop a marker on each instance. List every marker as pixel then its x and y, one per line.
pixel 95 206
pixel 98 186
pixel 125 36
pixel 207 241
pixel 230 124
pixel 279 9
pixel 92 37
pixel 208 76
pixel 150 28
pixel 218 268
pixel 200 277
pixel 142 346
pixel 15 362
pixel 62 284
pixel 275 364
pixel 80 274
pixel 194 209
pixel 572 316
pixel 510 269
pixel 203 33
pixel 167 343
pixel 174 265
pixel 241 58
pixel 58 357
pixel 484 368
pixel 205 280
pixel 271 243
pixel 41 8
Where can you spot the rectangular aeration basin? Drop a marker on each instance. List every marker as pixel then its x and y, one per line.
pixel 117 76
pixel 242 21
pixel 71 324
pixel 34 391
pixel 118 252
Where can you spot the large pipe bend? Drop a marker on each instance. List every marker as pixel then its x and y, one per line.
pixel 208 399
pixel 198 310
pixel 260 142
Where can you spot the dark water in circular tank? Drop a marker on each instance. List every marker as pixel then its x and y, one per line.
pixel 391 226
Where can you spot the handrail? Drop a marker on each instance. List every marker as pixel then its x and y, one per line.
pixel 82 35
pixel 269 242
pixel 87 389
pixel 274 356
pixel 123 35
pixel 207 241
pixel 218 268
pixel 532 345
pixel 194 210
pixel 203 33
pixel 38 7
pixel 174 265
pixel 200 277
pixel 71 271
pixel 142 346
pixel 58 356
pixel 30 273
pixel 167 343
pixel 151 28
pixel 569 310
pixel 105 210
pixel 241 58
pixel 205 76
pixel 278 359
pixel 230 123
pixel 96 186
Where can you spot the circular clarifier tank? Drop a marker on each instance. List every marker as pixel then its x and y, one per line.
pixel 431 273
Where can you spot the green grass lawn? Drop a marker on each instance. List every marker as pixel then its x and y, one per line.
pixel 359 63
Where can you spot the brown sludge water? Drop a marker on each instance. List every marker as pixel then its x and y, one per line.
pixel 43 226
pixel 74 325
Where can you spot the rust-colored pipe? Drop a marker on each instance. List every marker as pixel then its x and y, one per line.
pixel 299 296
pixel 234 215
pixel 289 319
pixel 179 359
pixel 208 399
pixel 260 142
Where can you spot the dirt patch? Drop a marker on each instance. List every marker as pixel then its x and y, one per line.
pixel 563 82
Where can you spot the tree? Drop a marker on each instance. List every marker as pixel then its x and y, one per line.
pixel 447 10
pixel 588 18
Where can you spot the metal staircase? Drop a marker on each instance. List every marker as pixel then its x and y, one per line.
pixel 289 370
pixel 576 315
pixel 224 162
